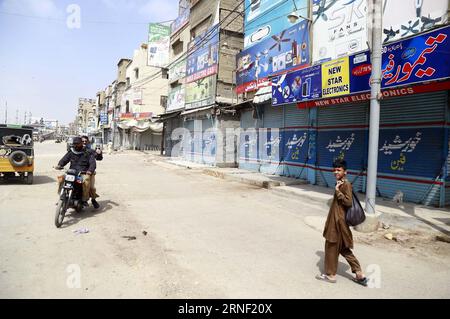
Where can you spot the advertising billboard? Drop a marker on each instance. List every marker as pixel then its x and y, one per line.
pixel 183 16
pixel 201 92
pixel 416 16
pixel 287 50
pixel 302 85
pixel 158 44
pixel 342 26
pixel 262 21
pixel 176 98
pixel 177 71
pixel 203 59
pixel 415 60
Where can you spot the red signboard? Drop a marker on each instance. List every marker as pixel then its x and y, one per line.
pixel 387 93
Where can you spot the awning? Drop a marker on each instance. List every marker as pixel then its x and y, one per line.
pixel 140 126
pixel 263 95
pixel 165 116
pixel 198 109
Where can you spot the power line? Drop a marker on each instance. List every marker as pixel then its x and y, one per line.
pixel 83 21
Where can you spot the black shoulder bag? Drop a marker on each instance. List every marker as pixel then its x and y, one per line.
pixel 355 215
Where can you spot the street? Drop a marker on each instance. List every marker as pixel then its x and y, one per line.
pixel 195 237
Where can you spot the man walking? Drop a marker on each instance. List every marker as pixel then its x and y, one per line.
pixel 338 236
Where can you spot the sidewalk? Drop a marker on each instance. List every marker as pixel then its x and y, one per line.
pixel 408 216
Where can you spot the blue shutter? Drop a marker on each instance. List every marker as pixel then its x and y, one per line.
pixel 248 141
pixel 414 170
pixel 342 133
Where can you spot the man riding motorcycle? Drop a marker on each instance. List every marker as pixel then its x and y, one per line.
pixel 81 160
pixel 98 155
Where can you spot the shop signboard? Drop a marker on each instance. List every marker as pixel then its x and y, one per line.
pixel 288 50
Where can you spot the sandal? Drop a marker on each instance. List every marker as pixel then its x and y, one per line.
pixel 325 278
pixel 363 281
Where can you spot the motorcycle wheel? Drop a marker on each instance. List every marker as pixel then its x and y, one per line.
pixel 60 212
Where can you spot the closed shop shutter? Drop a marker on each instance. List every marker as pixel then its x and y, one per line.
pixel 411 150
pixel 188 141
pixel 209 141
pixel 270 140
pixel 248 141
pixel 342 133
pixel 295 141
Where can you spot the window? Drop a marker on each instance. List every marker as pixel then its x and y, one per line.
pixel 128 81
pixel 136 73
pixel 127 107
pixel 163 101
pixel 177 47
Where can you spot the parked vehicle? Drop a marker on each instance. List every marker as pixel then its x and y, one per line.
pixel 16 152
pixel 70 195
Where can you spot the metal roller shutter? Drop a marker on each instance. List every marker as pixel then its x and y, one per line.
pixel 295 142
pixel 270 140
pixel 248 141
pixel 209 142
pixel 342 133
pixel 412 147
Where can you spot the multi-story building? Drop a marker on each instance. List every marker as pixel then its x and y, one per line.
pixel 305 82
pixel 118 89
pixel 86 119
pixel 179 40
pixel 216 36
pixel 141 103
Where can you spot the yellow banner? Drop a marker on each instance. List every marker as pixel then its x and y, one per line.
pixel 336 78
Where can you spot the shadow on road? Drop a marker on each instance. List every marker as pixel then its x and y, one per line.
pixel 73 217
pixel 342 268
pixel 37 180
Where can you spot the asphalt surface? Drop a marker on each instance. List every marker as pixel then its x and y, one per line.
pixel 168 232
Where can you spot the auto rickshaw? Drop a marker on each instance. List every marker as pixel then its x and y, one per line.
pixel 16 152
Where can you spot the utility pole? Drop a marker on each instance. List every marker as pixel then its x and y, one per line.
pixel 371 223
pixel 17 116
pixel 6 112
pixel 25 118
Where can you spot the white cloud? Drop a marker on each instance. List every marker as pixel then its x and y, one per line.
pixel 41 8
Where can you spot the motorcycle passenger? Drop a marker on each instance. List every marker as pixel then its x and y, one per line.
pixel 81 160
pixel 98 155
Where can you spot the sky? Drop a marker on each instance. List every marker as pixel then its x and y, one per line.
pixel 49 58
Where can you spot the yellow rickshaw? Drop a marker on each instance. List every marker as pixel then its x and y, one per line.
pixel 16 152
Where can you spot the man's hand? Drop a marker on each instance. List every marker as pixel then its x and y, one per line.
pixel 338 184
pixel 89 173
pixel 98 151
pixel 58 167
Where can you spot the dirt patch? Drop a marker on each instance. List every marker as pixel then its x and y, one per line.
pixel 416 243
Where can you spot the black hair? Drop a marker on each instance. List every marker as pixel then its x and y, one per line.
pixel 86 137
pixel 340 163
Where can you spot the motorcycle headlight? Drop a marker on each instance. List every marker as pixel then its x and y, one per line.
pixel 30 160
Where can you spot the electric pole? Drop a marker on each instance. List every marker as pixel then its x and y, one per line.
pixel 6 112
pixel 17 116
pixel 371 223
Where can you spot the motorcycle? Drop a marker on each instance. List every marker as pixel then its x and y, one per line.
pixel 70 195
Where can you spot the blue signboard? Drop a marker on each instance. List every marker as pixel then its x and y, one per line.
pixel 295 146
pixel 181 20
pixel 265 18
pixel 298 86
pixel 412 151
pixel 283 51
pixel 422 58
pixel 202 60
pixel 349 145
pixel 103 118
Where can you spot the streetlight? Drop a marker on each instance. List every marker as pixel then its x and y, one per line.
pixel 294 16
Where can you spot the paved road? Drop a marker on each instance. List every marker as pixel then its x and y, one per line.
pixel 206 238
